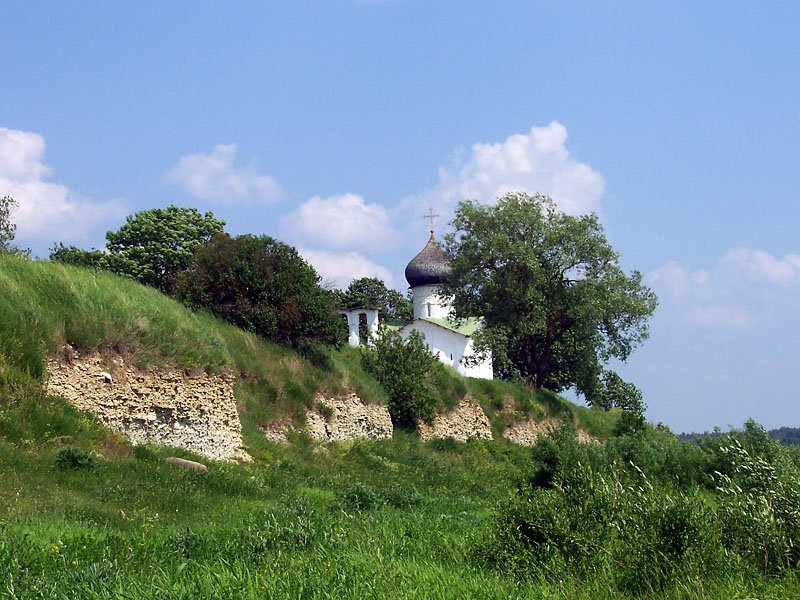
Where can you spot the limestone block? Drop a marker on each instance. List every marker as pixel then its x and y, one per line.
pixel 186 464
pixel 464 421
pixel 340 419
pixel 157 406
pixel 527 431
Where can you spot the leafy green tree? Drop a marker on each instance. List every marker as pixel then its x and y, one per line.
pixel 262 285
pixel 616 392
pixel 72 255
pixel 555 301
pixel 7 228
pixel 371 292
pixel 405 369
pixel 155 245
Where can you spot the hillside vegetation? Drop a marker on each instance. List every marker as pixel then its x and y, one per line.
pixel 85 515
pixel 45 305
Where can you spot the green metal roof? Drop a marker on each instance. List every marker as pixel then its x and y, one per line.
pixel 465 327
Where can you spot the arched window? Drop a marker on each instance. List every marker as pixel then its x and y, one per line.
pixel 363 331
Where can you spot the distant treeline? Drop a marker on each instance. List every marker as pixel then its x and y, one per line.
pixel 785 435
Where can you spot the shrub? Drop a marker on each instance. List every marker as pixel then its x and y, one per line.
pixel 604 520
pixel 261 285
pixel 359 497
pixel 75 459
pixel 405 369
pixel 760 506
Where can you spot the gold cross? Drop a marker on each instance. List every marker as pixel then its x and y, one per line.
pixel 430 216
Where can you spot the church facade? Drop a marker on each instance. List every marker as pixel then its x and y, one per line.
pixel 450 341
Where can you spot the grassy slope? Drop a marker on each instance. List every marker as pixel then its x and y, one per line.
pixel 392 519
pixel 46 305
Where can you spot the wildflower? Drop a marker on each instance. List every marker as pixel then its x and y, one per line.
pixel 54 549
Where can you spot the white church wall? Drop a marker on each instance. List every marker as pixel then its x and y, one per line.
pixel 428 303
pixel 353 322
pixel 449 347
pixel 482 370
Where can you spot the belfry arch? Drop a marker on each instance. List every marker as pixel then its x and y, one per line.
pixel 355 318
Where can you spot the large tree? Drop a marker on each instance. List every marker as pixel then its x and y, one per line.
pixel 155 245
pixel 371 292
pixel 7 227
pixel 262 285
pixel 556 303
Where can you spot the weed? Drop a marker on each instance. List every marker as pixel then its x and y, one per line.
pixel 74 459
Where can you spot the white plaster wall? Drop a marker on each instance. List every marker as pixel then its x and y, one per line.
pixel 482 370
pixel 353 315
pixel 450 347
pixel 424 295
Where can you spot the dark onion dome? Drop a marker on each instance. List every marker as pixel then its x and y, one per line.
pixel 429 267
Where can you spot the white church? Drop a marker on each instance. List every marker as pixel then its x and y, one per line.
pixel 450 341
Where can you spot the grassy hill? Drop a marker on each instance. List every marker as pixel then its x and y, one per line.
pixel 44 306
pixel 85 515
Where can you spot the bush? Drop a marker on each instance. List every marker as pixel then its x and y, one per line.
pixel 75 459
pixel 261 285
pixel 405 369
pixel 604 520
pixel 760 506
pixel 359 497
pixel 642 510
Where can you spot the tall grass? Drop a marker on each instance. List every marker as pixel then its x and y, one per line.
pixel 397 519
pixel 45 306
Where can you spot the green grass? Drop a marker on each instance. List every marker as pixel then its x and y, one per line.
pixel 392 519
pixel 363 520
pixel 44 306
pixel 396 519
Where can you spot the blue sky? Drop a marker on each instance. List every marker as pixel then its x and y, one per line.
pixel 335 125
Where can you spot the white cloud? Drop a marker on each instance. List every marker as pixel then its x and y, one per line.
pixel 536 161
pixel 762 267
pixel 746 288
pixel 214 176
pixel 341 222
pixel 678 282
pixel 341 268
pixel 47 211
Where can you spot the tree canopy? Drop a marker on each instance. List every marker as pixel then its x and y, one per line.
pixel 7 228
pixel 154 245
pixel 371 292
pixel 262 285
pixel 556 303
pixel 72 255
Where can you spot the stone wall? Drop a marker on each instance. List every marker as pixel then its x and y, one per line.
pixel 337 419
pixel 464 421
pixel 167 406
pixel 158 406
pixel 349 418
pixel 526 432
